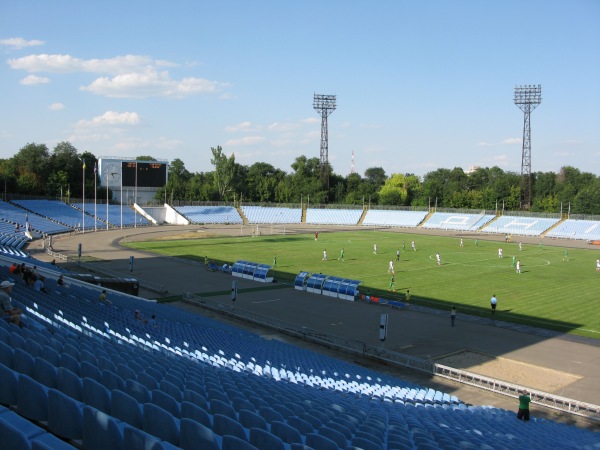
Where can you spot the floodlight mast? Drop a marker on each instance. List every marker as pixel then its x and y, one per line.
pixel 324 105
pixel 527 98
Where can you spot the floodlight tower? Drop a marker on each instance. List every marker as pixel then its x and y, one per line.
pixel 527 98
pixel 324 105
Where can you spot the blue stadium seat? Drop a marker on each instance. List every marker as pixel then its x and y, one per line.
pixel 196 398
pixel 250 419
pixel 89 370
pixel 196 413
pixel 126 408
pixel 69 383
pixel 111 380
pixel 23 362
pixel 334 435
pixel 32 399
pixel 300 424
pixel 8 385
pixel 166 402
pixel 219 407
pixel 223 425
pixel 44 372
pixel 195 436
pixel 160 423
pixel 6 355
pixel 96 395
pixel 137 390
pixel 100 431
pixel 235 443
pixel 263 440
pixel 66 418
pixel 147 380
pixel 286 432
pixel 135 438
pixel 319 442
pixel 269 414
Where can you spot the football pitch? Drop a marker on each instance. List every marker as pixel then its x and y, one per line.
pixel 558 288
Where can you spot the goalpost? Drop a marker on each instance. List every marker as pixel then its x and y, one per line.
pixel 263 229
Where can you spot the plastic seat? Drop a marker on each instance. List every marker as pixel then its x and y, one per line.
pixel 126 372
pixel 70 363
pixel 269 414
pixel 32 399
pixel 286 432
pixel 137 390
pixel 51 355
pixel 147 380
pixel 44 372
pixel 194 412
pixel 194 435
pixel 219 407
pixel 166 402
pixel 249 419
pixel 6 354
pixel 319 442
pixel 69 383
pixel 8 385
pixel 235 443
pixel 126 408
pixel 263 440
pixel 134 438
pixel 66 419
pixel 334 435
pixel 171 389
pixel 160 423
pixel 223 425
pixel 100 431
pixel 96 395
pixel 17 341
pixel 23 362
pixel 366 444
pixel 300 424
pixel 89 370
pixel 111 380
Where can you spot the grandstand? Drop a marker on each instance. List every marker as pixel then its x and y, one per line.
pixel 117 214
pixel 457 221
pixel 576 229
pixel 86 374
pixel 91 375
pixel 210 214
pixel 394 218
pixel 16 215
pixel 61 213
pixel 521 226
pixel 266 215
pixel 333 216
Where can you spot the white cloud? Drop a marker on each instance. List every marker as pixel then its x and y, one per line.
pixel 56 106
pixel 150 84
pixel 241 127
pixel 112 119
pixel 310 120
pixel 70 64
pixel 511 141
pixel 19 43
pixel 248 140
pixel 484 144
pixel 31 80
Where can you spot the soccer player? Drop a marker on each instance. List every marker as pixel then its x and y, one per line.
pixel 439 259
pixel 519 266
pixel 316 235
pixel 398 255
pixel 391 267
pixel 514 261
pixel 392 284
pixel 414 247
pixel 275 261
pixel 461 243
pixel 324 255
pixel 493 303
pixel 476 242
pixel 566 255
pixel 341 255
pixel 520 246
pixel 499 253
pixel 407 297
pixel 540 246
pixel 374 249
pixel 403 246
pixel 598 264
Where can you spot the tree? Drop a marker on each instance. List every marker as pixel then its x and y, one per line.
pixel 587 200
pixel 394 191
pixel 31 168
pixel 224 171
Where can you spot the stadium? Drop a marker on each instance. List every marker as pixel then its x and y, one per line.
pixel 227 347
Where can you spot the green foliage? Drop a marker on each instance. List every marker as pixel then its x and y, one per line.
pixel 467 278
pixel 224 171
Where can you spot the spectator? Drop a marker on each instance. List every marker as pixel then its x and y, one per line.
pixel 103 299
pixel 523 412
pixel 152 321
pixel 14 268
pixel 9 313
pixel 138 316
pixel 60 281
pixel 38 285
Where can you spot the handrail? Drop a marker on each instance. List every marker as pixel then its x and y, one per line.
pixel 542 398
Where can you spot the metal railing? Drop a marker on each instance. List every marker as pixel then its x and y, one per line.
pixel 546 399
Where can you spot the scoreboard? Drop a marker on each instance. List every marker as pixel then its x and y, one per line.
pixel 144 173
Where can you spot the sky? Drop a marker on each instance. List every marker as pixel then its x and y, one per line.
pixel 420 85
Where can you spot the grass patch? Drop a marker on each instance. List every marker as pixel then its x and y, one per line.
pixel 553 291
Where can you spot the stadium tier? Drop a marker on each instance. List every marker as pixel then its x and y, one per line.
pixel 60 212
pixel 577 229
pixel 16 215
pixel 117 215
pixel 457 221
pixel 522 226
pixel 333 216
pixel 109 375
pixel 392 218
pixel 262 214
pixel 210 214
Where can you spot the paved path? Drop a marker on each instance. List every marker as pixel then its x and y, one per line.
pixel 420 332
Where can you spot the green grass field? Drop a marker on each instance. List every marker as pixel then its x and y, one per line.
pixel 551 292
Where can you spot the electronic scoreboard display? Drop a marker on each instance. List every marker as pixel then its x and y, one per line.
pixel 144 173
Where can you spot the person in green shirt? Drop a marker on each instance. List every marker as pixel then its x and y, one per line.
pixel 275 261
pixel 514 261
pixel 341 254
pixel 524 400
pixel 407 297
pixel 392 284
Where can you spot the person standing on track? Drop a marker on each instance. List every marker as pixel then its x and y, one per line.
pixel 493 303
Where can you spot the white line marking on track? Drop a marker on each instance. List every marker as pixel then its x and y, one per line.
pixel 268 301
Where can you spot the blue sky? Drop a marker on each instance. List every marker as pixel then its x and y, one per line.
pixel 420 84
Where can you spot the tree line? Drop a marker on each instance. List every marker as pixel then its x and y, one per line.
pixel 35 170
